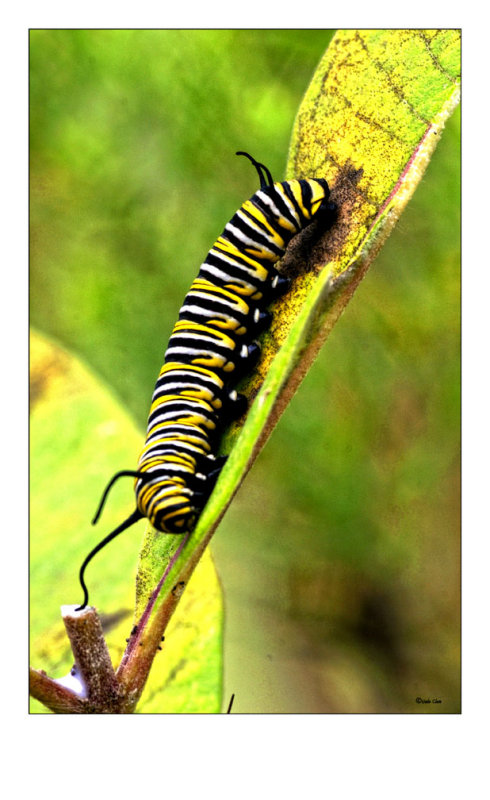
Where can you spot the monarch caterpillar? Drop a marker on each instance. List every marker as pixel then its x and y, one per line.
pixel 211 346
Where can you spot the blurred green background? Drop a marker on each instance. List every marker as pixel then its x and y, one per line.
pixel 339 558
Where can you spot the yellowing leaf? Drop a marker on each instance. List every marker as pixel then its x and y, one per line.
pixel 370 121
pixel 79 437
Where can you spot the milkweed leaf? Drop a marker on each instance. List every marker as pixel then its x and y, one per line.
pixel 369 122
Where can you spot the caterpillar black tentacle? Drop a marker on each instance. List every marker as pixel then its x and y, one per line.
pixel 134 517
pixel 211 346
pixel 261 169
pixel 123 473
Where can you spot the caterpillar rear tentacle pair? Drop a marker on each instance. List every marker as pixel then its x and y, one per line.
pixel 213 345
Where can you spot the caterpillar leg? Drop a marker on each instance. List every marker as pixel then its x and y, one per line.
pixel 218 465
pixel 279 285
pixel 248 357
pixel 205 483
pixel 234 406
pixel 261 320
pixel 327 213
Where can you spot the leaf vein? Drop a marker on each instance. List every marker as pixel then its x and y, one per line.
pixel 393 86
pixel 434 58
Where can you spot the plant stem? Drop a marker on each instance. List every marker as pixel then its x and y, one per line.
pixel 53 695
pixel 91 687
pixel 92 659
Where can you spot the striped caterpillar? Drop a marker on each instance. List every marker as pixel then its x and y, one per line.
pixel 211 347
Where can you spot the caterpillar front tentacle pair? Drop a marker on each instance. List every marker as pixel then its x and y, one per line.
pixel 213 345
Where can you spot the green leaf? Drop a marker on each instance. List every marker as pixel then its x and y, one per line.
pixel 75 421
pixel 369 123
